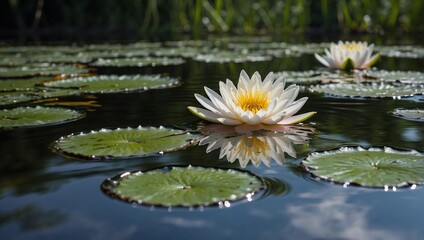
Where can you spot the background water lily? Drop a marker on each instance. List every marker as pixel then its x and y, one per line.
pixel 261 146
pixel 348 55
pixel 252 102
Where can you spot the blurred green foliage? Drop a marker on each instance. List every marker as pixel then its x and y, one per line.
pixel 217 16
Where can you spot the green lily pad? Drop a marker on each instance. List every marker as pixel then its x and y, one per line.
pixel 36 116
pixel 405 51
pixel 137 62
pixel 124 142
pixel 15 97
pixel 373 167
pixel 395 76
pixel 179 52
pixel 118 47
pixel 184 186
pixel 113 83
pixel 40 49
pixel 189 43
pixel 410 114
pixel 308 48
pixel 227 56
pixel 20 84
pixel 57 58
pixel 119 53
pixel 369 90
pixel 9 60
pixel 41 70
pixel 313 76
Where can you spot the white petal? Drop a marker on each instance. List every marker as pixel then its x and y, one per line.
pixel 297 118
pixel 322 60
pixel 229 121
pixel 206 103
pixel 219 102
pixel 273 119
pixel 205 114
pixel 295 107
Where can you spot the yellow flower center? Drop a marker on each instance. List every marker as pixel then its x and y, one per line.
pixel 253 101
pixel 352 47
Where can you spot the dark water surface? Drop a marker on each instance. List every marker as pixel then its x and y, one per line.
pixel 46 196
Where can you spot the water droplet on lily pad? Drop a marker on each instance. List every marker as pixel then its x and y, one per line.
pixel 410 114
pixel 113 83
pixel 372 167
pixel 369 90
pixel 124 142
pixel 184 186
pixel 36 116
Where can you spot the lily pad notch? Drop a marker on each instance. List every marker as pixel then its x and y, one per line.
pixel 184 186
pixel 377 167
pixel 124 143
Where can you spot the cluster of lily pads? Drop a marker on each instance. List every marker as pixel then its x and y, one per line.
pixel 255 120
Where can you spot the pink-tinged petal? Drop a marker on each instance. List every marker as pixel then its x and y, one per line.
pixel 205 114
pixel 297 118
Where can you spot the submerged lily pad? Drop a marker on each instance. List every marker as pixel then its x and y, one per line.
pixel 373 167
pixel 36 116
pixel 137 62
pixel 114 83
pixel 124 143
pixel 227 56
pixel 369 90
pixel 410 114
pixel 184 186
pixel 41 70
pixel 393 76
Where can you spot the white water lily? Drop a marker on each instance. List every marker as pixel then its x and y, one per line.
pixel 342 55
pixel 252 102
pixel 256 147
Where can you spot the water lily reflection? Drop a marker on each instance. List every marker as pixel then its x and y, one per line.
pixel 255 146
